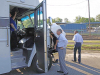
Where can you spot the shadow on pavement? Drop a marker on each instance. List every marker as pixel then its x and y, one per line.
pixel 73 68
pixel 85 69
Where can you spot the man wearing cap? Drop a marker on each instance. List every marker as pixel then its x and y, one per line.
pixel 62 43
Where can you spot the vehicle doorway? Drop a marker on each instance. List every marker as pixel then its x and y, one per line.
pixel 30 39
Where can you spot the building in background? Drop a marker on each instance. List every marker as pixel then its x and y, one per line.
pixel 71 27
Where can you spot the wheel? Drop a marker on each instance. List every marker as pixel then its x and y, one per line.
pixel 49 61
pixel 36 67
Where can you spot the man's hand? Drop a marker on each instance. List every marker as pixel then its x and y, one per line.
pixel 15 30
pixel 14 16
pixel 15 12
pixel 61 48
pixel 55 47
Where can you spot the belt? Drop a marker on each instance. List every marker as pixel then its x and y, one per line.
pixel 78 42
pixel 59 47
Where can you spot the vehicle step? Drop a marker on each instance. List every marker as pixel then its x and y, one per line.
pixel 16 53
pixel 18 59
pixel 18 65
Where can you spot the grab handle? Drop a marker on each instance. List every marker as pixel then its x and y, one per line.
pixel 7 37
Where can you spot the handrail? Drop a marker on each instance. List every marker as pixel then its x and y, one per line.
pixel 7 37
pixel 3 40
pixel 5 27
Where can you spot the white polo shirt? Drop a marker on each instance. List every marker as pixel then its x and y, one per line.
pixel 78 38
pixel 62 41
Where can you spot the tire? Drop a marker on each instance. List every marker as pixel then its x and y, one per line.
pixel 50 61
pixel 35 66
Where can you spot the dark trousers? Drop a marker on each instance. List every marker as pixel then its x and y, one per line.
pixel 77 46
pixel 13 39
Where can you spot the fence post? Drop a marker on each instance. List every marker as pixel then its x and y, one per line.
pixel 81 30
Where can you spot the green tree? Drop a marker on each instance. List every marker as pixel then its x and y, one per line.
pixel 58 19
pixel 55 20
pixel 27 23
pixel 80 19
pixel 20 25
pixel 66 20
pixel 92 19
pixel 98 18
pixel 47 21
pixel 77 19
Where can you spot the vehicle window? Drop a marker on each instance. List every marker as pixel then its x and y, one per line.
pixel 19 24
pixel 32 17
pixel 26 22
pixel 40 17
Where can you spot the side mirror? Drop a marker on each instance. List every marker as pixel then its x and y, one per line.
pixel 50 20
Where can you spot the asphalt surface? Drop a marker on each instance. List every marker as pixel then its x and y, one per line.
pixel 90 65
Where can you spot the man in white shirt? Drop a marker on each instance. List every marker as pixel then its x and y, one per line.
pixel 61 46
pixel 78 42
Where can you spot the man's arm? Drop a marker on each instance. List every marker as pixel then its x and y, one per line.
pixel 74 38
pixel 50 35
pixel 55 44
pixel 14 15
pixel 13 26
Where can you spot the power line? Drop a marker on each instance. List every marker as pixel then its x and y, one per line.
pixel 67 5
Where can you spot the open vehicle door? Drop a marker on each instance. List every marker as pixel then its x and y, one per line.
pixel 41 35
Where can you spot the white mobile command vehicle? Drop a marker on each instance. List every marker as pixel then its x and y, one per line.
pixel 33 38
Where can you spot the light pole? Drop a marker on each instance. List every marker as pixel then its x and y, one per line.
pixel 89 18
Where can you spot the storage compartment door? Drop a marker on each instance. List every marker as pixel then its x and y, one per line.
pixel 5 61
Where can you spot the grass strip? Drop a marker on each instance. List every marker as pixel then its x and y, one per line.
pixel 87 41
pixel 85 47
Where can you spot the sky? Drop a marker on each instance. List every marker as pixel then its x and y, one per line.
pixel 72 8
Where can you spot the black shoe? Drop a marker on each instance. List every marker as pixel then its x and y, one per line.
pixel 60 71
pixel 73 61
pixel 56 61
pixel 79 62
pixel 66 74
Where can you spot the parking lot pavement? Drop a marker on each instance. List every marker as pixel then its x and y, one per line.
pixel 90 65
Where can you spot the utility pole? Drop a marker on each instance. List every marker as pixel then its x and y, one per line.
pixel 89 18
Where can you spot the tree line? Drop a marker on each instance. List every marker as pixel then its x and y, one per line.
pixel 78 19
